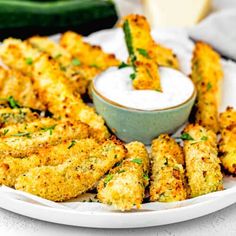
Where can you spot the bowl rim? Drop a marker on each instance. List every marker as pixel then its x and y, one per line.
pixel 194 93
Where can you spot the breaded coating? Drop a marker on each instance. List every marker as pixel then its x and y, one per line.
pixel 227 144
pixel 27 127
pixel 90 55
pixel 10 116
pixel 202 164
pixel 18 55
pixel 138 40
pixel 168 183
pixel 19 86
pixel 75 176
pixel 207 74
pixel 58 95
pixel 124 186
pixel 26 143
pixel 79 75
pixel 11 167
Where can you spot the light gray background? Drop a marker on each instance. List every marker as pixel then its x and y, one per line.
pixel 220 223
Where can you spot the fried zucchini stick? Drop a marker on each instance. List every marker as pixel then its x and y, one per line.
pixel 26 143
pixel 79 75
pixel 28 127
pixel 18 55
pixel 55 91
pixel 9 116
pixel 227 144
pixel 75 176
pixel 168 183
pixel 11 167
pixel 207 74
pixel 124 186
pixel 202 164
pixel 138 40
pixel 87 54
pixel 13 83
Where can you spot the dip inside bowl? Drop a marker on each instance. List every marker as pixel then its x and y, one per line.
pixel 143 114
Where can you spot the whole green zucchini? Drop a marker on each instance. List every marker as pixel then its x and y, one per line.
pixel 25 18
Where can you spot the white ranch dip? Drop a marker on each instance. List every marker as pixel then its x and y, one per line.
pixel 115 84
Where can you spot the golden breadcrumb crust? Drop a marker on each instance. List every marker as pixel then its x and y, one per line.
pixel 75 176
pixel 168 182
pixel 227 144
pixel 202 163
pixel 124 186
pixel 11 167
pixel 207 74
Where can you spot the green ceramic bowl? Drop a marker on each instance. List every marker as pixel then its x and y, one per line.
pixel 130 124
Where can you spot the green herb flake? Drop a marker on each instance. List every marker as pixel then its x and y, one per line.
pixel 204 138
pixel 137 161
pixel 57 56
pixel 143 52
pixel 132 76
pixel 5 131
pixel 209 86
pixel 50 129
pixel 22 134
pixel 76 62
pixel 123 65
pixel 12 102
pixel 186 136
pixel 120 171
pixel 146 177
pixel 94 65
pixel 73 142
pixel 29 61
pixel 108 178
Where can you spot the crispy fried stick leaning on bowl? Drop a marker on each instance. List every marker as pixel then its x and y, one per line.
pixel 75 176
pixel 202 163
pixel 207 74
pixel 124 186
pixel 90 55
pixel 80 75
pixel 168 183
pixel 227 144
pixel 144 54
pixel 11 167
pixel 26 143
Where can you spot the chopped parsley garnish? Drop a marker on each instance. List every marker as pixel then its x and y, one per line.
pixel 75 62
pixel 186 136
pixel 123 65
pixel 121 171
pixel 143 52
pixel 209 86
pixel 22 134
pixel 137 161
pixel 73 142
pixel 203 138
pixel 29 61
pixel 145 176
pixel 12 102
pixel 50 129
pixel 5 131
pixel 94 65
pixel 57 56
pixel 108 178
pixel 132 76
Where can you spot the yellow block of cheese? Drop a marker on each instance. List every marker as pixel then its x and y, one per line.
pixel 176 13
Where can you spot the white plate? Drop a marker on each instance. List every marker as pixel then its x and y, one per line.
pixel 97 215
